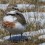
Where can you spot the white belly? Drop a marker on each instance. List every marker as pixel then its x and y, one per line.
pixel 18 28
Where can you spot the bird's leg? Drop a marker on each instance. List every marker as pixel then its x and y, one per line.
pixel 10 36
pixel 21 34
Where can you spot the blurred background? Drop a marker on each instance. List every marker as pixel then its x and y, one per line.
pixel 34 13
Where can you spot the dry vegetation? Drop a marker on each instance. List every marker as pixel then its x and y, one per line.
pixel 30 27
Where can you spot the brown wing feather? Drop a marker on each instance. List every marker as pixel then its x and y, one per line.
pixel 21 18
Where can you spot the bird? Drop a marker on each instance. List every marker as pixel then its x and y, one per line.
pixel 14 22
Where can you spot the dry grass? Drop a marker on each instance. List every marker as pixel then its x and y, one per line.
pixel 29 42
pixel 1 14
pixel 30 27
pixel 21 1
pixel 19 43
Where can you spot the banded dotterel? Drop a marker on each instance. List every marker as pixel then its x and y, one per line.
pixel 14 22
